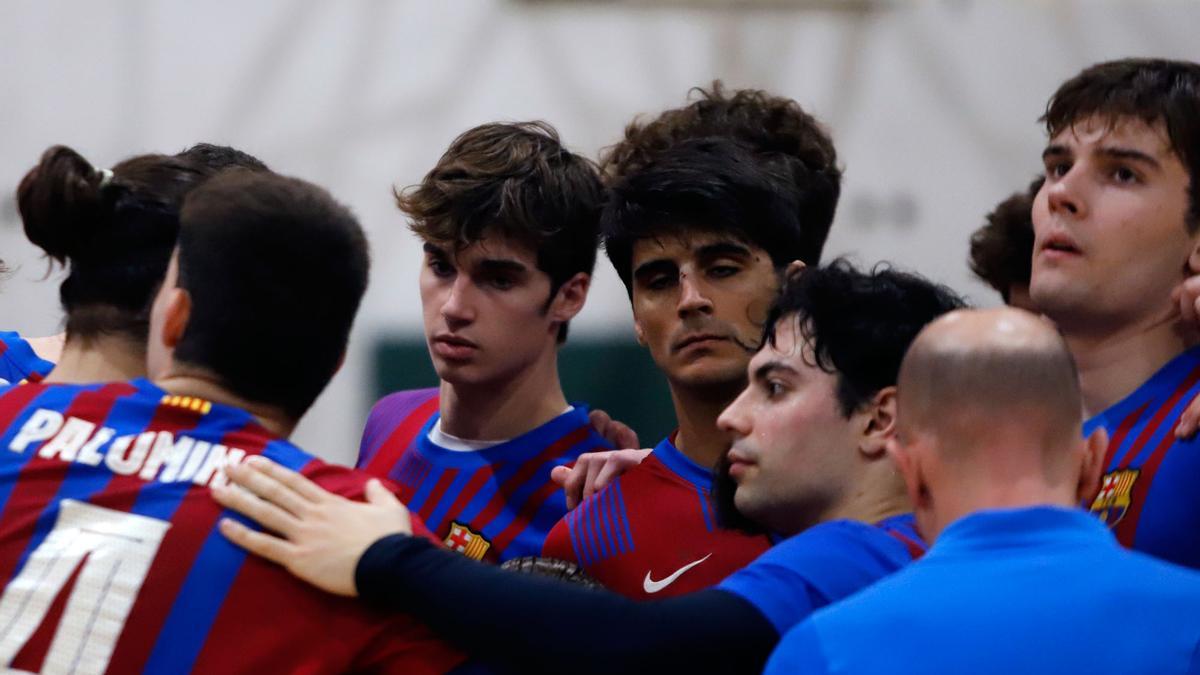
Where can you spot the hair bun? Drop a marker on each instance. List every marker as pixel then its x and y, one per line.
pixel 60 202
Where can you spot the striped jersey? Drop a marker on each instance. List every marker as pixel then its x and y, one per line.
pixel 18 361
pixel 652 532
pixel 1148 495
pixel 110 560
pixel 492 504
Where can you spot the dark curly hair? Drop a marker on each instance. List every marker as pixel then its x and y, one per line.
pixel 707 184
pixel 858 325
pixel 518 180
pixel 222 157
pixel 1152 90
pixel 1002 250
pixel 779 133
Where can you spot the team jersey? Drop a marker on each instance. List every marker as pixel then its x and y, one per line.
pixel 18 361
pixel 1148 495
pixel 652 532
pixel 822 565
pixel 493 504
pixel 110 559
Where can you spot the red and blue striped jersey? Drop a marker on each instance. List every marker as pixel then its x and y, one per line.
pixel 492 504
pixel 110 560
pixel 18 361
pixel 1149 495
pixel 652 532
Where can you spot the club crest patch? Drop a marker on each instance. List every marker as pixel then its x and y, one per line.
pixel 1113 500
pixel 466 541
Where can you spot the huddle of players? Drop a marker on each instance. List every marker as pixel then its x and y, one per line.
pixel 784 379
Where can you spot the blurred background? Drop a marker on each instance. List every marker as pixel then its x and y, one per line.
pixel 933 106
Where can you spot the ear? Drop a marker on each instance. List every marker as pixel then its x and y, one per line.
pixel 1193 261
pixel 794 268
pixel 879 425
pixel 638 332
pixel 341 362
pixel 176 316
pixel 1094 450
pixel 569 299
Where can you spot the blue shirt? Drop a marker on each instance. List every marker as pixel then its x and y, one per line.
pixel 822 565
pixel 1148 495
pixel 1037 590
pixel 18 361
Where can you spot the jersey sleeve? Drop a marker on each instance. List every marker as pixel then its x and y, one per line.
pixel 815 568
pixel 799 652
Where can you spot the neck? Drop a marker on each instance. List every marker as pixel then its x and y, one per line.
pixel 49 347
pixel 989 495
pixel 106 358
pixel 877 494
pixel 505 409
pixel 1114 364
pixel 696 411
pixel 203 385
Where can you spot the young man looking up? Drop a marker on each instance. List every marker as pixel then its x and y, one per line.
pixel 1117 229
pixel 509 222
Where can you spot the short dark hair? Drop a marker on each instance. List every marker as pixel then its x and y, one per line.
pixel 779 133
pixel 1152 90
pixel 518 180
pixel 113 231
pixel 1002 250
pixel 276 269
pixel 707 184
pixel 222 157
pixel 859 326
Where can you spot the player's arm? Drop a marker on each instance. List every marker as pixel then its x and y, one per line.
pixel 527 622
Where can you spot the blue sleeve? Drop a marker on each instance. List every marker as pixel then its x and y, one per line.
pixel 815 568
pixel 799 651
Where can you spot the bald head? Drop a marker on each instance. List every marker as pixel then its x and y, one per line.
pixel 972 373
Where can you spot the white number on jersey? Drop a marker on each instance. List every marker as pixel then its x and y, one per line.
pixel 118 548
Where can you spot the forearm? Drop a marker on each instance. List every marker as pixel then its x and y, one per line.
pixel 535 623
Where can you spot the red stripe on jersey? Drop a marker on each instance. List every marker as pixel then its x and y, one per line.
pixel 481 476
pixel 1122 431
pixel 501 499
pixel 40 479
pixel 439 491
pixel 398 441
pixel 521 520
pixel 15 400
pixel 915 549
pixel 1126 529
pixel 196 516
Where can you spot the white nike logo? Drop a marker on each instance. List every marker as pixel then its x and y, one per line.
pixel 651 586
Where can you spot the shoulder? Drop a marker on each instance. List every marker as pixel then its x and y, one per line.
pixel 401 404
pixel 799 651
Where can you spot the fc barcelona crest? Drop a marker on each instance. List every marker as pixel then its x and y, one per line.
pixel 466 541
pixel 1113 500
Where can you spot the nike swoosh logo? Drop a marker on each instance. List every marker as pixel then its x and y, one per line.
pixel 651 586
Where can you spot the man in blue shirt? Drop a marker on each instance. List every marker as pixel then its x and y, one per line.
pixel 987 440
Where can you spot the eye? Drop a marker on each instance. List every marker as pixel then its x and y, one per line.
pixel 723 271
pixel 1124 174
pixel 441 268
pixel 659 281
pixel 774 388
pixel 502 283
pixel 1057 169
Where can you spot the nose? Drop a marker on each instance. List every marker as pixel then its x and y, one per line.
pixel 458 310
pixel 734 419
pixel 1065 196
pixel 693 297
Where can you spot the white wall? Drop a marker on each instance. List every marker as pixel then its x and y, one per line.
pixel 933 106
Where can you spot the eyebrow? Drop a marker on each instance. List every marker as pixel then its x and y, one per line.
pixel 502 265
pixel 723 248
pixel 1058 150
pixel 761 372
pixel 434 250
